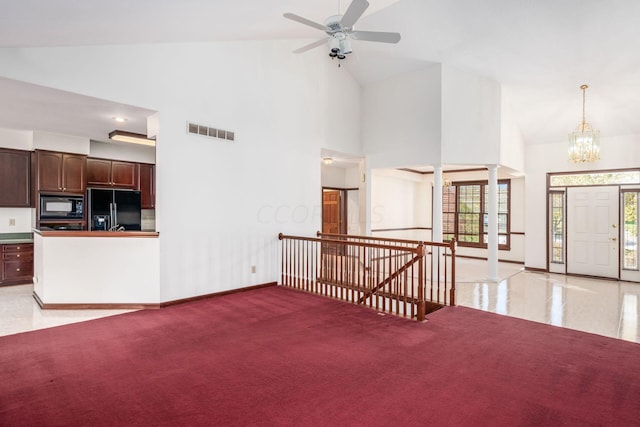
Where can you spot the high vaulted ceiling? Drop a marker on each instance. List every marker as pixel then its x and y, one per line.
pixel 540 51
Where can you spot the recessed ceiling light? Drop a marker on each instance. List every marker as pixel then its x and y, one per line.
pixel 120 119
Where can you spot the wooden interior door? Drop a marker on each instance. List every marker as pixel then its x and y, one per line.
pixel 334 218
pixel 331 211
pixel 592 231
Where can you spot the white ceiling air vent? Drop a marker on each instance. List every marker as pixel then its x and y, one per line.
pixel 210 132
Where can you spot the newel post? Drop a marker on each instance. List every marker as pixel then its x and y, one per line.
pixel 282 256
pixel 452 292
pixel 421 302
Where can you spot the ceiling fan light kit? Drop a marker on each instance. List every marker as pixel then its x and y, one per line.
pixel 340 31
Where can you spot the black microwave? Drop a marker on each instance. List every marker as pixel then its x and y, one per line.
pixel 61 207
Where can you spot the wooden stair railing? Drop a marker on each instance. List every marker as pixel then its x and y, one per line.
pixel 389 275
pixel 433 249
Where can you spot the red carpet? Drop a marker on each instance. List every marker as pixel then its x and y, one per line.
pixel 280 357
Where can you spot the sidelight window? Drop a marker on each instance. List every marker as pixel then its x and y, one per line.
pixel 557 221
pixel 630 201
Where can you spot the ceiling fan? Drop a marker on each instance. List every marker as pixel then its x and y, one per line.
pixel 340 31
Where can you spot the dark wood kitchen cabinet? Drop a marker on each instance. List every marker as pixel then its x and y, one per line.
pixel 16 265
pixel 148 185
pixel 15 181
pixel 111 173
pixel 61 172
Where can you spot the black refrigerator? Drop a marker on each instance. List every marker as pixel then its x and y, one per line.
pixel 113 210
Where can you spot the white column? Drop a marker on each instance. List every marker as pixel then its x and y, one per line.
pixel 436 216
pixel 492 232
pixel 365 172
pixel 364 197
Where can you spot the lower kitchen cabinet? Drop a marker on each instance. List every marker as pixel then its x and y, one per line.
pixel 17 263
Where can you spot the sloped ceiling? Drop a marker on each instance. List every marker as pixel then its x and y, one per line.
pixel 540 51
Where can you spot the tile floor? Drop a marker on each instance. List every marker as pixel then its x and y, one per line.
pixel 19 312
pixel 602 307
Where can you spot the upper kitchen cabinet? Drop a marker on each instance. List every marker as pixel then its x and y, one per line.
pixel 111 173
pixel 61 172
pixel 15 170
pixel 147 186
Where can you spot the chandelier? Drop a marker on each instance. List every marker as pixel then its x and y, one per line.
pixel 584 142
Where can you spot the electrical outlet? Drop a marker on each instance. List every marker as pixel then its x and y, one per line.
pixel 253 269
pixel 12 222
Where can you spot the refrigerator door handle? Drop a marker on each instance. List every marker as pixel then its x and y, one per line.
pixel 111 211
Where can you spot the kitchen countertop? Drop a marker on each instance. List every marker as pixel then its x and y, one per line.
pixel 79 233
pixel 13 238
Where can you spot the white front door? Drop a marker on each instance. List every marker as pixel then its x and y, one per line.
pixel 592 231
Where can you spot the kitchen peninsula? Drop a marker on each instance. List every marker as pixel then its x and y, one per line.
pixel 96 269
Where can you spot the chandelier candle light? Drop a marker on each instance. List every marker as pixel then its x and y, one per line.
pixel 584 142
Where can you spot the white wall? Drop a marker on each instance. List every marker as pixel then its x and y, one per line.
pixel 511 141
pixel 352 177
pixel 401 120
pixel 64 143
pixel 399 200
pixel 127 152
pixel 220 205
pixel 616 152
pixel 16 139
pixel 22 218
pixel 471 128
pixel 353 213
pixel 332 176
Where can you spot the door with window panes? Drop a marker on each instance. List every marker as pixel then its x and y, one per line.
pixel 570 211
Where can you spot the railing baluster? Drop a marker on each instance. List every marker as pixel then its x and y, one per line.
pixel 452 297
pixel 421 306
pixel 437 255
pixel 289 260
pixel 318 267
pixel 296 260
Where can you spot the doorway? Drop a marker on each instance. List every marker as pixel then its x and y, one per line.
pixel 592 231
pixel 334 211
pixel 592 223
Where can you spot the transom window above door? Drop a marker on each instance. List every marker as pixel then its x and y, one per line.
pixel 594 178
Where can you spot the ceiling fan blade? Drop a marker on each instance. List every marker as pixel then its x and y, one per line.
pixel 305 21
pixel 376 36
pixel 311 45
pixel 353 13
